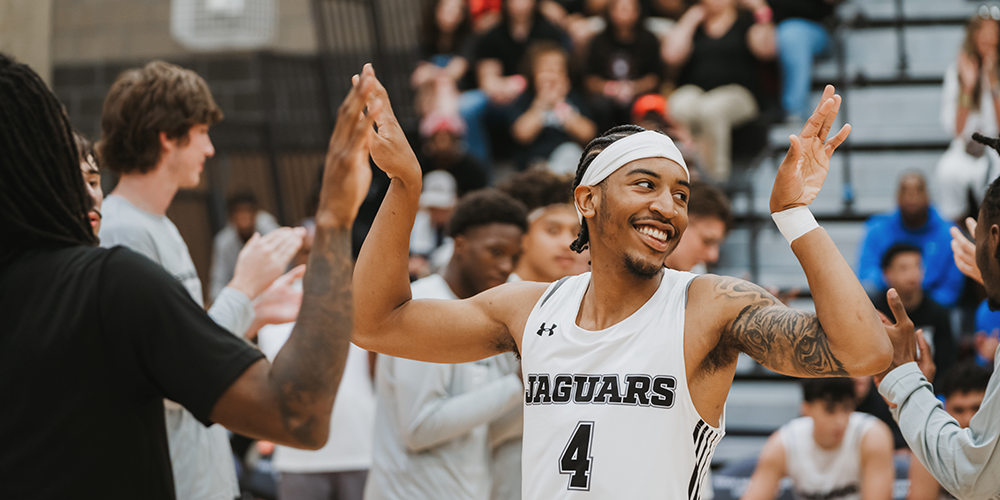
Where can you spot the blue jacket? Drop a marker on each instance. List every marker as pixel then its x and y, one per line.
pixel 942 279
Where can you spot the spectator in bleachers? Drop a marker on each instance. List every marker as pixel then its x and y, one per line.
pixel 915 222
pixel 802 37
pixel 580 19
pixel 987 336
pixel 244 219
pixel 550 120
pixel 830 452
pixel 650 112
pixel 432 420
pixel 622 63
pixel 903 269
pixel 498 59
pixel 970 104
pixel 717 48
pixel 709 220
pixel 430 227
pixel 485 14
pixel 964 388
pixel 445 50
pixel 442 149
pixel 91 177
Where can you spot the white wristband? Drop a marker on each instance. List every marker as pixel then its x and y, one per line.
pixel 794 222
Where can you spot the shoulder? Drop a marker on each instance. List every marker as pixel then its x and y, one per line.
pixel 773 453
pixel 876 437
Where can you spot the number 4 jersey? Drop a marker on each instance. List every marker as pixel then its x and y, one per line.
pixel 607 413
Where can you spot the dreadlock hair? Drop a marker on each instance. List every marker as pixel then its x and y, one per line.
pixel 589 153
pixel 42 196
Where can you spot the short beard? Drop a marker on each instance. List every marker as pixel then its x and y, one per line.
pixel 640 269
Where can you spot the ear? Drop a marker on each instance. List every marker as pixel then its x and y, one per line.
pixel 461 243
pixel 804 409
pixel 586 199
pixel 167 144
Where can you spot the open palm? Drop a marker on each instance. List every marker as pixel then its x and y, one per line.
pixel 804 169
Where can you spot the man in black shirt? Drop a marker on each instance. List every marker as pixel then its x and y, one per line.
pixel 903 269
pixel 497 64
pixel 94 339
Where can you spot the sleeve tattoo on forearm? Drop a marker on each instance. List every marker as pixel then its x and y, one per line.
pixel 776 336
pixel 319 343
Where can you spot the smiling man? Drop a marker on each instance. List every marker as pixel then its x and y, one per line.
pixel 626 368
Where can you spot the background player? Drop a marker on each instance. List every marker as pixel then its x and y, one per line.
pixel 685 342
pixel 831 452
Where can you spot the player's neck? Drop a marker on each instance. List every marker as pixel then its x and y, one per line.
pixel 614 294
pixel 152 191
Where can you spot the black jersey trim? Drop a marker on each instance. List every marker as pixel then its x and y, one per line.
pixel 554 288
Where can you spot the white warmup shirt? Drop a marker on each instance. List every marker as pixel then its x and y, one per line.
pixel 432 422
pixel 201 457
pixel 608 414
pixel 821 473
pixel 352 423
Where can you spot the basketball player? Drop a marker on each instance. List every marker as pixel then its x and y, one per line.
pixel 626 368
pixel 831 452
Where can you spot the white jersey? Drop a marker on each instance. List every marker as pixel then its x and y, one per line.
pixel 608 414
pixel 822 474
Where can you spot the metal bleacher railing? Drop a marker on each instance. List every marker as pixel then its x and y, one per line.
pixel 888 63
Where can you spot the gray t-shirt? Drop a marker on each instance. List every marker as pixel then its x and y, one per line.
pixel 432 422
pixel 200 456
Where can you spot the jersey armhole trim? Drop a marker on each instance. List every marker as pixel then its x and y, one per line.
pixel 553 290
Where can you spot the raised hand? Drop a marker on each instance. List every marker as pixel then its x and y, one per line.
pixel 903 337
pixel 280 303
pixel 264 258
pixel 347 176
pixel 964 251
pixel 389 147
pixel 804 169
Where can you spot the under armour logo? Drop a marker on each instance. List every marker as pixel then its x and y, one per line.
pixel 550 330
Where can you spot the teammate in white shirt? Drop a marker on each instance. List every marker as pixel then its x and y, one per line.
pixel 830 453
pixel 650 353
pixel 432 423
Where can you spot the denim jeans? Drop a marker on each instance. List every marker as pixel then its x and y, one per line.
pixel 799 42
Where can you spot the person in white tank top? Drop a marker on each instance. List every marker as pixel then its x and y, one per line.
pixel 626 368
pixel 830 453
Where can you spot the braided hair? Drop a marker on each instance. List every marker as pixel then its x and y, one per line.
pixel 42 196
pixel 589 153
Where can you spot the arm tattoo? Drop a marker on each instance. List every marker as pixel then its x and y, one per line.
pixel 307 371
pixel 778 337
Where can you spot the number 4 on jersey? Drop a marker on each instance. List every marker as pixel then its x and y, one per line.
pixel 576 459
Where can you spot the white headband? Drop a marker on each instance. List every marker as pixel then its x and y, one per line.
pixel 646 144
